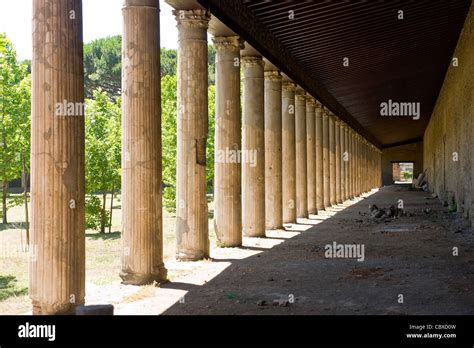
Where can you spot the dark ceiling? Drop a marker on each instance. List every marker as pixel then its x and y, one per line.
pixel 402 60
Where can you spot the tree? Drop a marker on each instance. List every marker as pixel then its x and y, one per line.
pixel 14 116
pixel 102 66
pixel 169 60
pixel 169 139
pixel 103 148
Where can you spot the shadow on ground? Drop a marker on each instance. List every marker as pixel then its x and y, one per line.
pixel 411 256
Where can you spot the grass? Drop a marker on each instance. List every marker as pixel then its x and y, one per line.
pixel 103 255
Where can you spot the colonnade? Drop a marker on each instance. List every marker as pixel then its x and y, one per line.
pixel 280 154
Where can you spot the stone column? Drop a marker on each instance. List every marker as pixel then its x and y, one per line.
pixel 332 160
pixel 288 152
pixel 191 212
pixel 346 162
pixel 352 162
pixel 326 185
pixel 227 143
pixel 273 150
pixel 301 165
pixel 253 148
pixel 318 110
pixel 343 161
pixel 337 134
pixel 142 226
pixel 311 154
pixel 358 191
pixel 57 245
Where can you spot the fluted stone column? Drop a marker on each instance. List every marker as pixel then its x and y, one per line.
pixel 346 162
pixel 288 152
pixel 301 165
pixel 191 212
pixel 273 150
pixel 57 245
pixel 253 148
pixel 337 135
pixel 352 162
pixel 358 191
pixel 142 226
pixel 343 162
pixel 227 143
pixel 311 154
pixel 332 159
pixel 326 166
pixel 318 111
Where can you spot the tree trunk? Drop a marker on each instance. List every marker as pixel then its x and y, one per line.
pixel 102 220
pixel 25 193
pixel 4 201
pixel 111 209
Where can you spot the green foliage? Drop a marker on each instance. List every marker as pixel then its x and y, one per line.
pixel 169 139
pixel 103 153
pixel 9 287
pixel 407 175
pixel 15 84
pixel 211 67
pixel 94 214
pixel 169 61
pixel 210 138
pixel 102 66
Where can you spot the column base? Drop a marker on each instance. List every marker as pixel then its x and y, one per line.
pixel 55 309
pixel 191 255
pixel 254 234
pixel 133 278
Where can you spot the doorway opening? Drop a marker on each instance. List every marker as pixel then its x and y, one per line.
pixel 402 172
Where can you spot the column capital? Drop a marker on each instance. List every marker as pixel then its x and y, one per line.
pixel 272 75
pixel 288 86
pixel 228 42
pixel 140 3
pixel 300 94
pixel 192 18
pixel 252 61
pixel 311 100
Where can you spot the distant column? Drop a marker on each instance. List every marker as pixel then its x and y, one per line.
pixel 311 154
pixel 57 245
pixel 289 152
pixel 301 165
pixel 273 150
pixel 227 143
pixel 326 166
pixel 253 148
pixel 343 161
pixel 337 135
pixel 318 111
pixel 332 159
pixel 191 212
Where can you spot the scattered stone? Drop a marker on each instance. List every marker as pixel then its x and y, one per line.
pixel 262 303
pixel 270 279
pixel 427 211
pixel 288 280
pixel 434 195
pixel 281 303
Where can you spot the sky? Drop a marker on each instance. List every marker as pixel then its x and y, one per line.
pixel 101 18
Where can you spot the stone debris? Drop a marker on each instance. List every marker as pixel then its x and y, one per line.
pixel 384 214
pixel 281 303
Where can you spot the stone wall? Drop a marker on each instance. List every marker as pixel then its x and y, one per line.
pixel 448 139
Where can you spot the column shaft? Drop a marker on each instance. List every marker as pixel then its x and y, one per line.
pixel 326 166
pixel 253 145
pixel 337 133
pixel 57 245
pixel 288 152
pixel 191 212
pixel 273 151
pixel 343 161
pixel 301 165
pixel 227 143
pixel 142 229
pixel 332 160
pixel 311 155
pixel 319 157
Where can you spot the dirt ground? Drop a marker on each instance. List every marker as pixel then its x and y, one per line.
pixel 288 273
